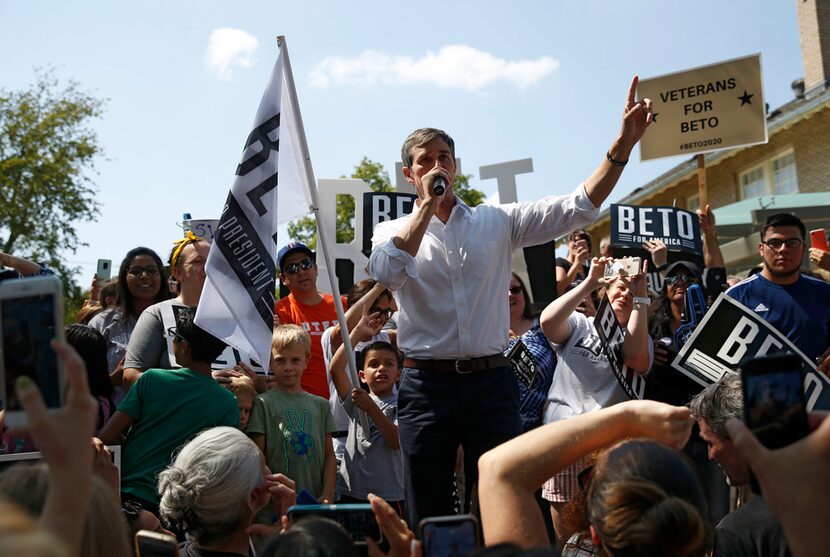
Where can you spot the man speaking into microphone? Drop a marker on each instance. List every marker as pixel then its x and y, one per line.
pixel 449 265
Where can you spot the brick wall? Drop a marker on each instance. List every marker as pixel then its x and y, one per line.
pixel 814 30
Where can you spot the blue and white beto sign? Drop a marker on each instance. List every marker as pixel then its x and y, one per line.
pixel 731 332
pixel 631 225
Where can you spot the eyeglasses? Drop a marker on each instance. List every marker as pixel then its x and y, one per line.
pixel 138 272
pixel 685 279
pixel 515 290
pixel 294 268
pixel 384 312
pixel 175 334
pixel 776 243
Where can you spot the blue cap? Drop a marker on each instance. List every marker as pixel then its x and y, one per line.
pixel 290 248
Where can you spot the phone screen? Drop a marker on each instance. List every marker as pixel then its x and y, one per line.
pixel 457 537
pixel 28 325
pixel 775 409
pixel 358 519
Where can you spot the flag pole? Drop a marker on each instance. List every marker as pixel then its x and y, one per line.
pixel 322 231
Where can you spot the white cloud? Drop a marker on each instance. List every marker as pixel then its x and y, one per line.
pixel 452 67
pixel 228 49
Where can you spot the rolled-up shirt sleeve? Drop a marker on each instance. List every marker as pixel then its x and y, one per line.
pixel 551 217
pixel 388 264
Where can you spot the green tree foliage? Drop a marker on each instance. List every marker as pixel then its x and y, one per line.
pixel 47 154
pixel 373 173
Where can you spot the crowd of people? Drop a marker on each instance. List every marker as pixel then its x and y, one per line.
pixel 464 400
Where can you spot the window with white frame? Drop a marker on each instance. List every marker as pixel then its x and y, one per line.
pixel 774 176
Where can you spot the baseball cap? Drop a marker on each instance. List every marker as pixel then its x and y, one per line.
pixel 692 268
pixel 290 248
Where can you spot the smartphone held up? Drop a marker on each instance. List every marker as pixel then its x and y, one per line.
pixel 449 535
pixel 625 267
pixel 774 402
pixel 31 315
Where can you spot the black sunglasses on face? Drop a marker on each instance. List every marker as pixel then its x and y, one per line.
pixel 294 268
pixel 685 279
pixel 515 290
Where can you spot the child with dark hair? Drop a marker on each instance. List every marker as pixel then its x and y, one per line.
pixel 372 462
pixel 167 407
pixel 92 348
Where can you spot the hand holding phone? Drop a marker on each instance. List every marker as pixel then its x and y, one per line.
pixel 358 519
pixel 449 535
pixel 104 271
pixel 31 315
pixel 818 239
pixel 774 403
pixel 625 267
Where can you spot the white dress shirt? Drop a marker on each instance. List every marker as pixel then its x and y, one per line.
pixel 452 295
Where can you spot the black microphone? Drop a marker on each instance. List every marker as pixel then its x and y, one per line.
pixel 438 186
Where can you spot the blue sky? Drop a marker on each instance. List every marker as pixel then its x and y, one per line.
pixel 539 79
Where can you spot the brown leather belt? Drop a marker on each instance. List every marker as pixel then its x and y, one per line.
pixel 462 365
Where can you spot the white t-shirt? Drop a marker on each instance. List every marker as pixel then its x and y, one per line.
pixel 583 380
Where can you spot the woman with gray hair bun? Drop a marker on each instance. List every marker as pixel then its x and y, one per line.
pixel 215 487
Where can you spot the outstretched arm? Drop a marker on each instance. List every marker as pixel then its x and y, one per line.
pixel 22 266
pixel 510 474
pixel 354 312
pixel 366 328
pixel 636 118
pixel 115 427
pixel 554 318
pixel 712 256
pixel 635 346
pixel 796 482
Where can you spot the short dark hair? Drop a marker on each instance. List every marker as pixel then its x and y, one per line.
pixel 92 348
pixel 383 346
pixel 783 219
pixel 313 536
pixel 357 291
pixel 204 347
pixel 421 137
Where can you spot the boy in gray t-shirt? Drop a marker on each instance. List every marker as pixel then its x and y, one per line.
pixel 372 462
